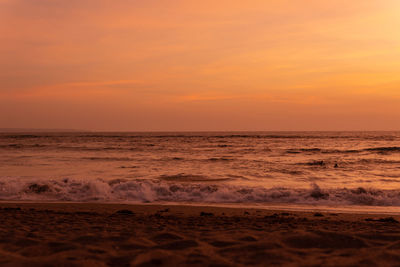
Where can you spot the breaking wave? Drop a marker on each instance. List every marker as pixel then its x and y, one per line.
pixel 153 191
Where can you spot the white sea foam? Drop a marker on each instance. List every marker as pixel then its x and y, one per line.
pixel 161 191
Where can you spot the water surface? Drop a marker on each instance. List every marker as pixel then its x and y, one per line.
pixel 318 168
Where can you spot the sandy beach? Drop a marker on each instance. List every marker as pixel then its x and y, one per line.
pixel 65 234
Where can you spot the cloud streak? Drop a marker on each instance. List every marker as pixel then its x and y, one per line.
pixel 160 57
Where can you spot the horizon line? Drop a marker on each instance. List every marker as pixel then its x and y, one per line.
pixel 66 130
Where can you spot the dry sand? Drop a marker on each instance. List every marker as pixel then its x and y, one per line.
pixel 151 235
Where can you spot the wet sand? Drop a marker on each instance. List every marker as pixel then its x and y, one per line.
pixel 152 235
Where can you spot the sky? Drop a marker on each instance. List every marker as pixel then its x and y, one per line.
pixel 134 65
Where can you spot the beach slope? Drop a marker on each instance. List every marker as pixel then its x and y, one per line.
pixel 65 234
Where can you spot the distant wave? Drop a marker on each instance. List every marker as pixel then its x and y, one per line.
pixel 66 148
pixel 171 191
pixel 145 146
pixel 383 149
pixel 300 150
pixel 387 136
pixel 192 178
pixel 345 151
pixel 107 158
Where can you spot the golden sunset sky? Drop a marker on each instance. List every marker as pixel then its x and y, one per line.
pixel 145 65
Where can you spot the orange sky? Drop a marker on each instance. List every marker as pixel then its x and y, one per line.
pixel 200 65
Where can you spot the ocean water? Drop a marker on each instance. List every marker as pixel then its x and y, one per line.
pixel 263 168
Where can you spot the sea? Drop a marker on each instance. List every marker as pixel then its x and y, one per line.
pixel 307 169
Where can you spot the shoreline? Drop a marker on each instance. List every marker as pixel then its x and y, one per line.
pixel 94 234
pixel 347 209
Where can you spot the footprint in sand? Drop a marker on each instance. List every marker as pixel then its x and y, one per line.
pixel 56 247
pixel 330 240
pixel 222 244
pixel 178 245
pixel 163 237
pixel 248 239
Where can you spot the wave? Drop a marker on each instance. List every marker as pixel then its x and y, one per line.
pixel 383 149
pixel 300 150
pixel 373 161
pixel 69 148
pixel 20 146
pixel 107 158
pixel 379 136
pixel 220 159
pixel 379 150
pixel 154 191
pixel 192 178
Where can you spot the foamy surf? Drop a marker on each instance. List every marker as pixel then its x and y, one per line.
pixel 154 191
